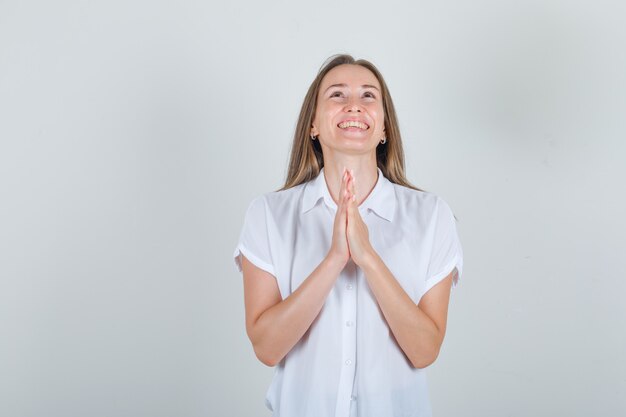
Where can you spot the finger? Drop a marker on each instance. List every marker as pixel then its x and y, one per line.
pixel 343 198
pixel 351 187
pixel 343 188
pixel 351 196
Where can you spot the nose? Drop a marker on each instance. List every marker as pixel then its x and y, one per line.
pixel 353 105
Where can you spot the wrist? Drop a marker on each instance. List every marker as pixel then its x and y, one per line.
pixel 335 261
pixel 370 261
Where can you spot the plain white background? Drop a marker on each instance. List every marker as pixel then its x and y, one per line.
pixel 133 135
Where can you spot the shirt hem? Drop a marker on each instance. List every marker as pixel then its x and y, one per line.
pixel 241 249
pixel 435 279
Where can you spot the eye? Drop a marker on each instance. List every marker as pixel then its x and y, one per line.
pixel 370 94
pixel 336 92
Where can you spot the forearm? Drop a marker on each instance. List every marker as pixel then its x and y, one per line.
pixel 280 327
pixel 416 333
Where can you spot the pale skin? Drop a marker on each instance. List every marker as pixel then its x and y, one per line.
pixel 275 325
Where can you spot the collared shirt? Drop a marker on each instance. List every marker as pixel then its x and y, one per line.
pixel 348 361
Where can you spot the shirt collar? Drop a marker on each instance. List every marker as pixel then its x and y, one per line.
pixel 381 200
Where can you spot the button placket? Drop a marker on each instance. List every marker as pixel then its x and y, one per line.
pixel 348 316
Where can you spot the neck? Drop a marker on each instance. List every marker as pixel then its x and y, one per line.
pixel 365 172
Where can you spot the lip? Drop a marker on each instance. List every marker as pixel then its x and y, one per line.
pixel 354 120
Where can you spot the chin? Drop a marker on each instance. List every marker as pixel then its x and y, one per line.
pixel 354 147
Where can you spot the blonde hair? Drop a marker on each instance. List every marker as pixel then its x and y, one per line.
pixel 306 158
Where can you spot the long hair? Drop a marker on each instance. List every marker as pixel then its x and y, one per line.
pixel 306 159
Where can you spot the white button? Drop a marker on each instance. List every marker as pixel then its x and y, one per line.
pixel 349 323
pixel 349 286
pixel 348 362
pixel 353 397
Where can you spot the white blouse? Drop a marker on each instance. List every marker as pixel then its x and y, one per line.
pixel 348 361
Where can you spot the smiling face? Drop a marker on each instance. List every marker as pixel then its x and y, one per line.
pixel 349 113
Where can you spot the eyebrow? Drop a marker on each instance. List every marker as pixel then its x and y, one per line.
pixel 345 85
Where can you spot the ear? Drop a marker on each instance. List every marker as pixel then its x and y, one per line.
pixel 313 131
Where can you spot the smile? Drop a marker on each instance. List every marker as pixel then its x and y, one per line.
pixel 353 123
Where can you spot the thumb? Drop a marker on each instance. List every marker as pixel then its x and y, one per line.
pixel 343 205
pixel 350 207
pixel 352 191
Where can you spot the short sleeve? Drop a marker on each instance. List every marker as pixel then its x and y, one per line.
pixel 446 253
pixel 253 240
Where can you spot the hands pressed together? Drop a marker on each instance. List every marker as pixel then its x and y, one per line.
pixel 350 233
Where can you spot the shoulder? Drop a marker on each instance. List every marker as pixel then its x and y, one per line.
pixel 275 203
pixel 417 201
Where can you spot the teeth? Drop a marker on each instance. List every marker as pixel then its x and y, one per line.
pixel 353 124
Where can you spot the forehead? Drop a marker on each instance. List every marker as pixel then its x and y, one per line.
pixel 350 74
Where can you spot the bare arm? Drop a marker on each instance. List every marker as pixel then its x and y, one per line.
pixel 273 325
pixel 418 329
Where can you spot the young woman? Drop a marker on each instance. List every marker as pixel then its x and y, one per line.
pixel 348 268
